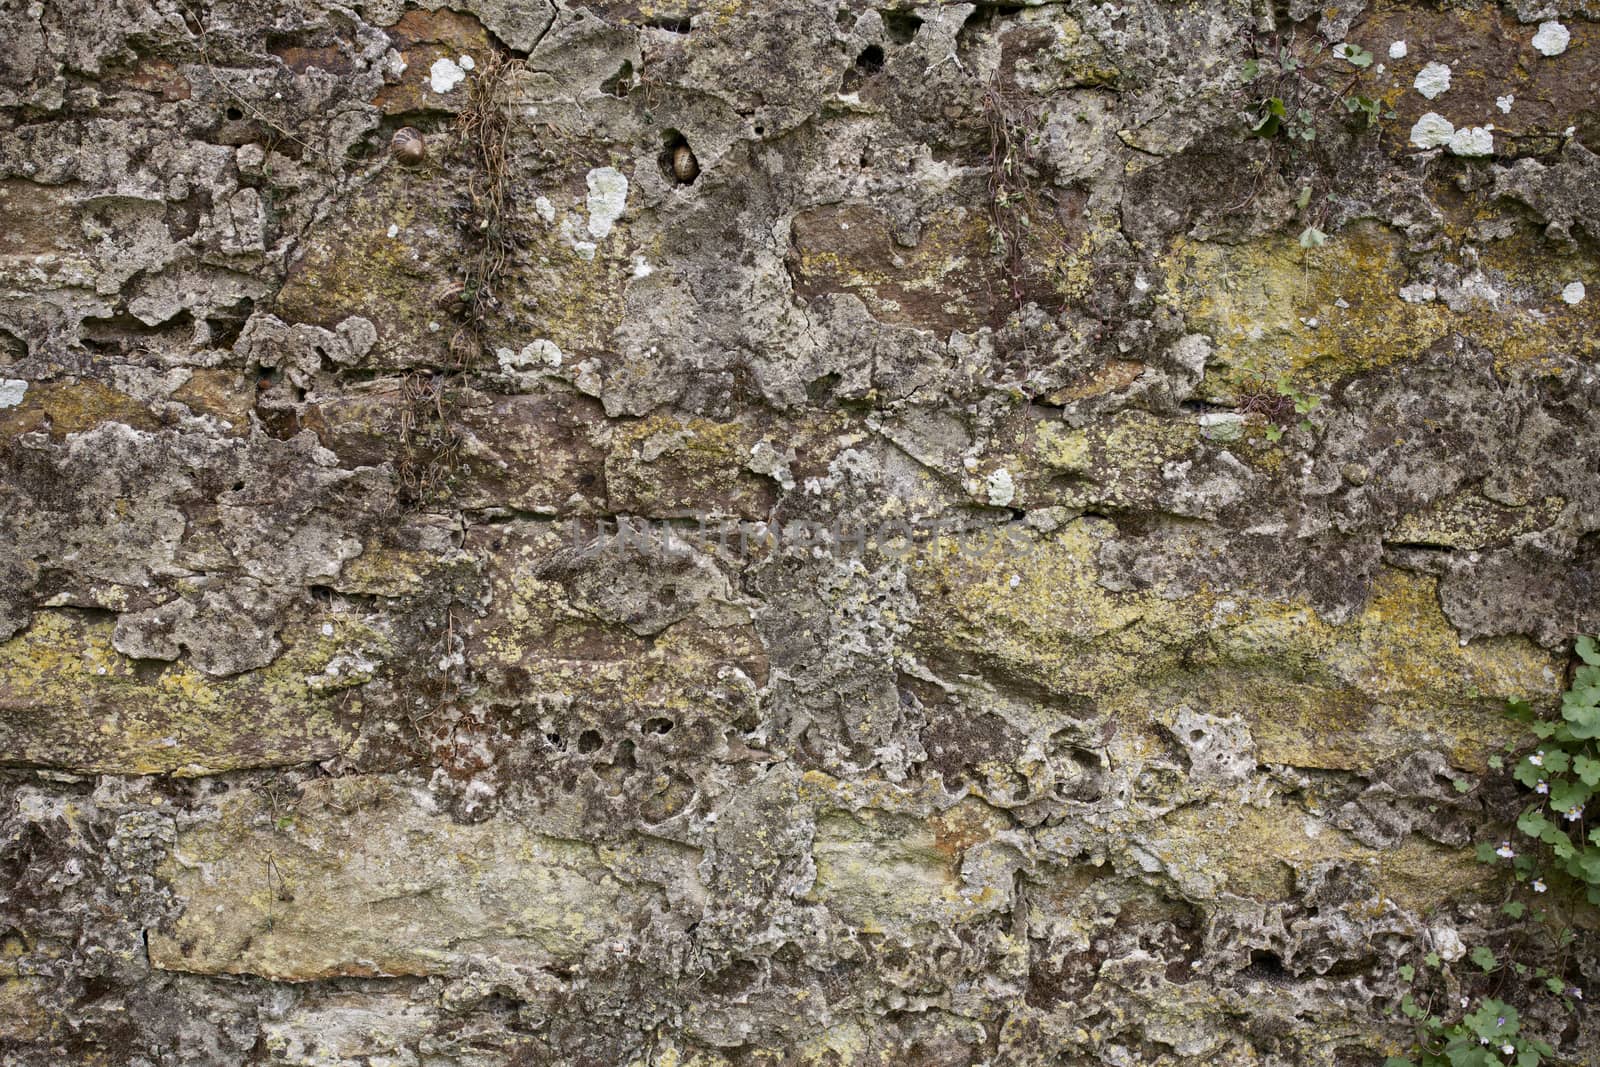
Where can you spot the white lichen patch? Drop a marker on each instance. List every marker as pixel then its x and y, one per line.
pixel 1504 103
pixel 1573 293
pixel 445 75
pixel 1472 141
pixel 1000 488
pixel 545 209
pixel 12 391
pixel 1222 425
pixel 1433 80
pixel 538 352
pixel 768 461
pixel 608 195
pixel 1419 292
pixel 466 63
pixel 1552 39
pixel 1432 130
pixel 1398 50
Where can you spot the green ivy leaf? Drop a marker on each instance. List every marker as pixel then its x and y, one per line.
pixel 1494 1018
pixel 1311 237
pixel 1353 54
pixel 1588 650
pixel 1589 864
pixel 1485 958
pixel 1587 769
pixel 1567 793
pixel 1527 773
pixel 1407 972
pixel 1431 959
pixel 1555 985
pixel 1515 909
pixel 1532 823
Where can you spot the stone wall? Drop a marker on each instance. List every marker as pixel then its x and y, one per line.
pixel 1079 548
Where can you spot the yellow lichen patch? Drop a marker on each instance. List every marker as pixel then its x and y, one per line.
pixel 849 248
pixel 355 876
pixel 1258 302
pixel 224 394
pixel 69 699
pixel 667 465
pixel 1395 678
pixel 72 405
pixel 880 870
pixel 1035 608
pixel 402 283
pixel 386 571
pixel 1256 852
pixel 1056 56
pixel 1109 377
pixel 1117 461
pixel 541 639
pixel 1467 521
pixel 22 1015
pixel 581 301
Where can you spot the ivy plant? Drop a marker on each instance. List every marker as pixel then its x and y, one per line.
pixel 1464 1013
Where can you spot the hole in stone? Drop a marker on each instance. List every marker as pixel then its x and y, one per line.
pixel 677 159
pixel 901 26
pixel 1267 964
pixel 658 725
pixel 870 61
pixel 588 741
pixel 619 83
pixel 670 25
pixel 234 114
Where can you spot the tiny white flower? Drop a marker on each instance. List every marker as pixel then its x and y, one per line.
pixel 1575 992
pixel 1542 787
pixel 1537 759
pixel 1575 813
pixel 1505 851
pixel 1465 1002
pixel 1507 1049
pixel 1538 885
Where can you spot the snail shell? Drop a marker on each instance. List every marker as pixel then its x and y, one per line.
pixel 684 166
pixel 408 146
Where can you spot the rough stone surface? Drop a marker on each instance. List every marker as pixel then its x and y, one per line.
pixel 867 598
